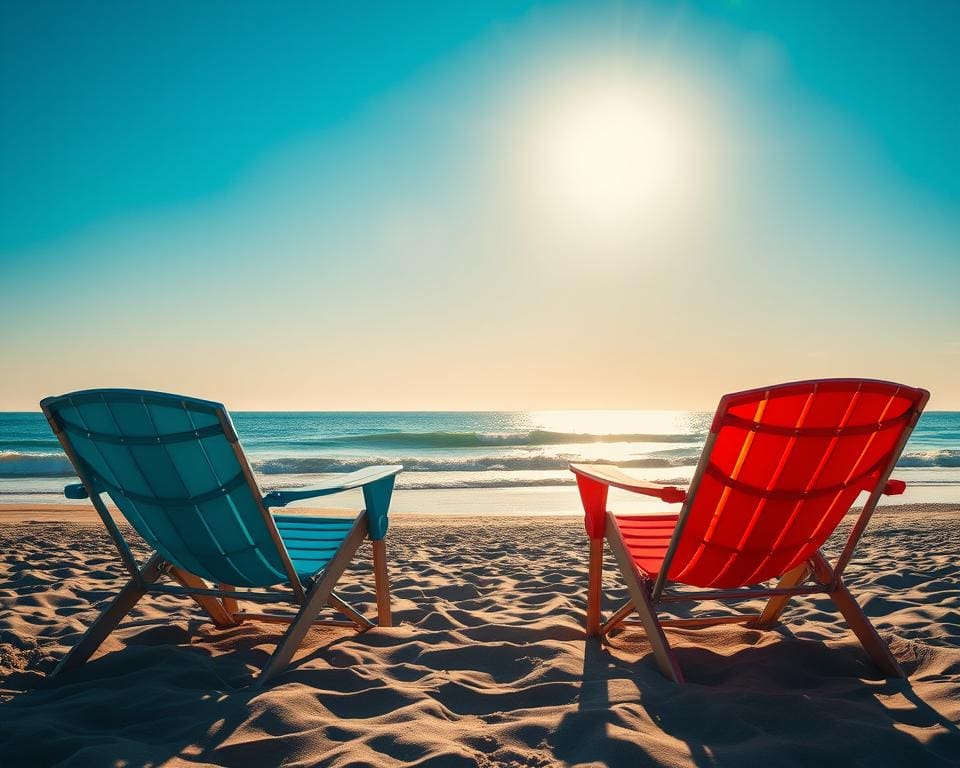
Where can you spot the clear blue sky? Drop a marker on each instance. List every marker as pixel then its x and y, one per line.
pixel 345 204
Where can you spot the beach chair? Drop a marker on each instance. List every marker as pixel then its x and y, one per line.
pixel 175 469
pixel 780 469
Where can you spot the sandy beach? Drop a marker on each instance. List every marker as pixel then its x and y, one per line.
pixel 487 666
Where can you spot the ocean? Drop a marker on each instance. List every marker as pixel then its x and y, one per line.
pixel 469 463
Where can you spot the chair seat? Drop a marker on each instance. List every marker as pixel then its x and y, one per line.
pixel 647 538
pixel 312 541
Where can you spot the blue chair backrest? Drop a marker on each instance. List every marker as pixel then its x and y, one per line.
pixel 174 468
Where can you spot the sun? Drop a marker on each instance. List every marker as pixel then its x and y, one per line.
pixel 610 153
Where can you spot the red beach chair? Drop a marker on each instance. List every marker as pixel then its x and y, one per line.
pixel 780 468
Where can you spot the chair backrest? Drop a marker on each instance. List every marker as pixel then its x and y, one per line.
pixel 780 469
pixel 174 468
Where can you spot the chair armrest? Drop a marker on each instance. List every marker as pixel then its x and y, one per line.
pixel 359 479
pixel 614 478
pixel 75 491
pixel 894 487
pixel 594 480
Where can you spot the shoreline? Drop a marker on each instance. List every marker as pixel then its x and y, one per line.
pixel 83 513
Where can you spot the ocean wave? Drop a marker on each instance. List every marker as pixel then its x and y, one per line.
pixel 16 464
pixel 946 457
pixel 439 482
pixel 304 465
pixel 535 437
pixel 14 445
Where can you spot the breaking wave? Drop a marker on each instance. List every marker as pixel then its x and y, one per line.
pixel 942 458
pixel 15 464
pixel 478 439
pixel 318 465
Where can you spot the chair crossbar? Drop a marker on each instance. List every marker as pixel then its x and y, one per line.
pixel 276 618
pixel 732 420
pixel 703 621
pixel 618 616
pixel 182 501
pixel 862 480
pixel 255 597
pixel 741 594
pixel 171 437
pixel 339 604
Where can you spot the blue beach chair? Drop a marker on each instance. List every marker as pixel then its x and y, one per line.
pixel 175 469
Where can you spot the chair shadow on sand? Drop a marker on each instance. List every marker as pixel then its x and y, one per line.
pixel 213 672
pixel 768 698
pixel 834 693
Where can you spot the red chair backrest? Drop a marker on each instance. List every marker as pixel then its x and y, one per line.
pixel 783 466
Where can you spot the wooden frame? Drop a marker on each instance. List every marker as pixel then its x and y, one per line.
pixel 815 576
pixel 221 602
pixel 231 434
pixel 791 585
pixel 315 600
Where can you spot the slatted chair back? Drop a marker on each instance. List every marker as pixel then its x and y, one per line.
pixel 174 467
pixel 780 469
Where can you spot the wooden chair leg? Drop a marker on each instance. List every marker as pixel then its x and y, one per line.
pixel 666 659
pixel 869 638
pixel 775 605
pixel 338 603
pixel 107 621
pixel 230 603
pixel 382 579
pixel 617 617
pixel 316 598
pixel 640 595
pixel 221 617
pixel 594 587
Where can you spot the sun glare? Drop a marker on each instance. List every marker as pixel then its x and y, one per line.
pixel 611 154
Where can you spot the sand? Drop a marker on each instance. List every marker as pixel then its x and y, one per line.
pixel 487 667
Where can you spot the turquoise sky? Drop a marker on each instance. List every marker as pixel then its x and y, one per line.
pixel 397 205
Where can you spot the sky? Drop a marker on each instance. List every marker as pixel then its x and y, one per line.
pixel 497 205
